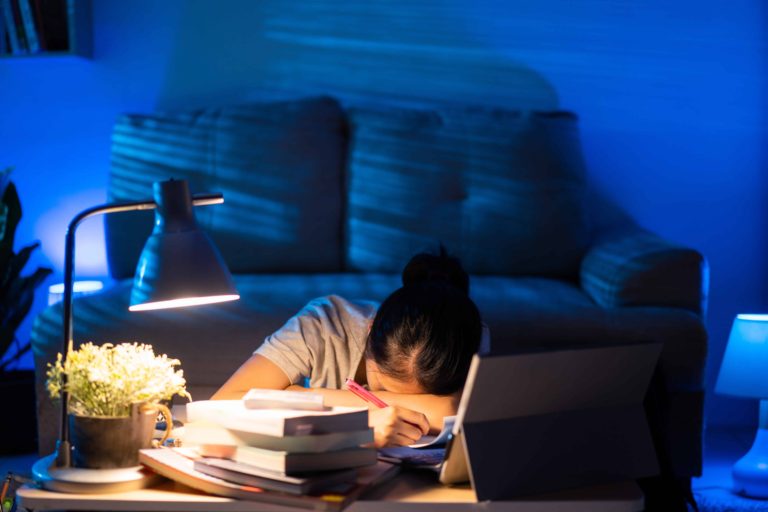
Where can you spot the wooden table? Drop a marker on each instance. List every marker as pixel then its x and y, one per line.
pixel 408 492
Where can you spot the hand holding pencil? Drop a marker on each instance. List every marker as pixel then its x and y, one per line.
pixel 392 425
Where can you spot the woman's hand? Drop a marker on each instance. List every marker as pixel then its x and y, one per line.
pixel 397 426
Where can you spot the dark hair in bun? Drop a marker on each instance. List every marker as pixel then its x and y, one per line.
pixel 429 329
pixel 426 267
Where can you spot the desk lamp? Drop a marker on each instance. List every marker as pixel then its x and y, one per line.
pixel 744 373
pixel 178 267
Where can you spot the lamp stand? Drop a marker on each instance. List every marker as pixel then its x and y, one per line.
pixel 55 472
pixel 750 473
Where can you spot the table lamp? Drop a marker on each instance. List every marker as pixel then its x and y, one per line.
pixel 744 373
pixel 178 267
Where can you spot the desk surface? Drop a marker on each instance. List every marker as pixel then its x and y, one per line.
pixel 408 492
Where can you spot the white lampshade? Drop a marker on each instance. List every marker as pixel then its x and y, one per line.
pixel 744 371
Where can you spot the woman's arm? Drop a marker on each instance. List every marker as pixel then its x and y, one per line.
pixel 256 372
pixel 404 422
pixel 434 407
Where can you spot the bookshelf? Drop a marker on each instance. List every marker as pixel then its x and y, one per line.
pixel 45 28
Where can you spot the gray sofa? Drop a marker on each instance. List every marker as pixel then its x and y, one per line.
pixel 322 199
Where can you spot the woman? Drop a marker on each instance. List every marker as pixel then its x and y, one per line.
pixel 413 351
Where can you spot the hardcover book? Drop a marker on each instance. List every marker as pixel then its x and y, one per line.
pixel 178 464
pixel 207 433
pixel 246 474
pixel 277 422
pixel 292 463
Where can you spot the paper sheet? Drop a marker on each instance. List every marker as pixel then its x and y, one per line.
pixel 441 438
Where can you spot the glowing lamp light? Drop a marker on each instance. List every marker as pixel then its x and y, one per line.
pixel 181 303
pixel 743 374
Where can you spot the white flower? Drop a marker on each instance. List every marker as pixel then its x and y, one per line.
pixel 105 380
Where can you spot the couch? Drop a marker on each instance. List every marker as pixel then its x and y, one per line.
pixel 322 198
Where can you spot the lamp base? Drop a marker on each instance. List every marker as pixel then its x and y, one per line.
pixel 90 481
pixel 750 473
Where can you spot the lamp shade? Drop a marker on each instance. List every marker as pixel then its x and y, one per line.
pixel 744 371
pixel 179 265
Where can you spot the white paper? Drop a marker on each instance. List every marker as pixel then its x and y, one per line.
pixel 441 438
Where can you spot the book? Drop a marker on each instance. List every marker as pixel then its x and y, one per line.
pixel 38 17
pixel 10 27
pixel 292 463
pixel 25 9
pixel 178 465
pixel 277 422
pixel 204 433
pixel 246 474
pixel 428 452
pixel 283 399
pixel 21 37
pixel 53 24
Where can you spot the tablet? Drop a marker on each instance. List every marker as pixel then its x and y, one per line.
pixel 532 422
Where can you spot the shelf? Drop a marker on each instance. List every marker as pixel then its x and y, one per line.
pixel 58 28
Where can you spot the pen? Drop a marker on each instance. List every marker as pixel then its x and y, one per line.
pixel 363 393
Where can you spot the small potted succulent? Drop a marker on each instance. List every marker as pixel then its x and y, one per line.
pixel 115 395
pixel 17 293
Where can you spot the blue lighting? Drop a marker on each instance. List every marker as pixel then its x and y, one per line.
pixel 745 363
pixel 753 317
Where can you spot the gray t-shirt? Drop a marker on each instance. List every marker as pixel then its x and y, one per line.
pixel 324 341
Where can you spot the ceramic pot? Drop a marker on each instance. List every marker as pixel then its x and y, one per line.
pixel 104 442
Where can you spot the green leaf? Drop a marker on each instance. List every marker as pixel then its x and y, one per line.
pixel 13 270
pixel 17 292
pixel 11 218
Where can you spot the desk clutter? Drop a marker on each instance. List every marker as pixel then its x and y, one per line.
pixel 312 456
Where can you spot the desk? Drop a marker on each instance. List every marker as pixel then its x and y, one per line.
pixel 407 492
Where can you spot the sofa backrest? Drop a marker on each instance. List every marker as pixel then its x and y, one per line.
pixel 503 190
pixel 310 188
pixel 279 166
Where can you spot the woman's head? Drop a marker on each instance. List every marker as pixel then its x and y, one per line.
pixel 425 333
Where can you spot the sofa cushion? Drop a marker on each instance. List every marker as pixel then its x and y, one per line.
pixel 279 166
pixel 501 189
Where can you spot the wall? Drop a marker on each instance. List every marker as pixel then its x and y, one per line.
pixel 672 97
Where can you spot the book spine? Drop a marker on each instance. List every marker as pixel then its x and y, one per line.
pixel 33 43
pixel 20 35
pixel 38 16
pixel 10 26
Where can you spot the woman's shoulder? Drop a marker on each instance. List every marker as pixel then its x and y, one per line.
pixel 338 307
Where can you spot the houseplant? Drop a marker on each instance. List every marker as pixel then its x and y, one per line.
pixel 17 292
pixel 115 394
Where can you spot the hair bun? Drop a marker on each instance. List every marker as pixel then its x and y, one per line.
pixel 425 267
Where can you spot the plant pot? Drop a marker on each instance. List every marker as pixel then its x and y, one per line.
pixel 18 428
pixel 103 442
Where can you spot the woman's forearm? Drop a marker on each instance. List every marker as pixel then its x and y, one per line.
pixel 434 407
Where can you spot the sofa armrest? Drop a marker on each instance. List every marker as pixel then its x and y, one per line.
pixel 632 267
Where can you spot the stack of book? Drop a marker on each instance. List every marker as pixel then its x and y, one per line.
pixel 318 459
pixel 32 26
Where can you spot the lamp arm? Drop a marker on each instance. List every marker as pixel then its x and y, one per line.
pixel 63 445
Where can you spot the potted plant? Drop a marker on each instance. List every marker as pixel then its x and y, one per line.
pixel 17 293
pixel 115 395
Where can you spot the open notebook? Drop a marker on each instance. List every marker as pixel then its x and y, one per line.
pixel 428 453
